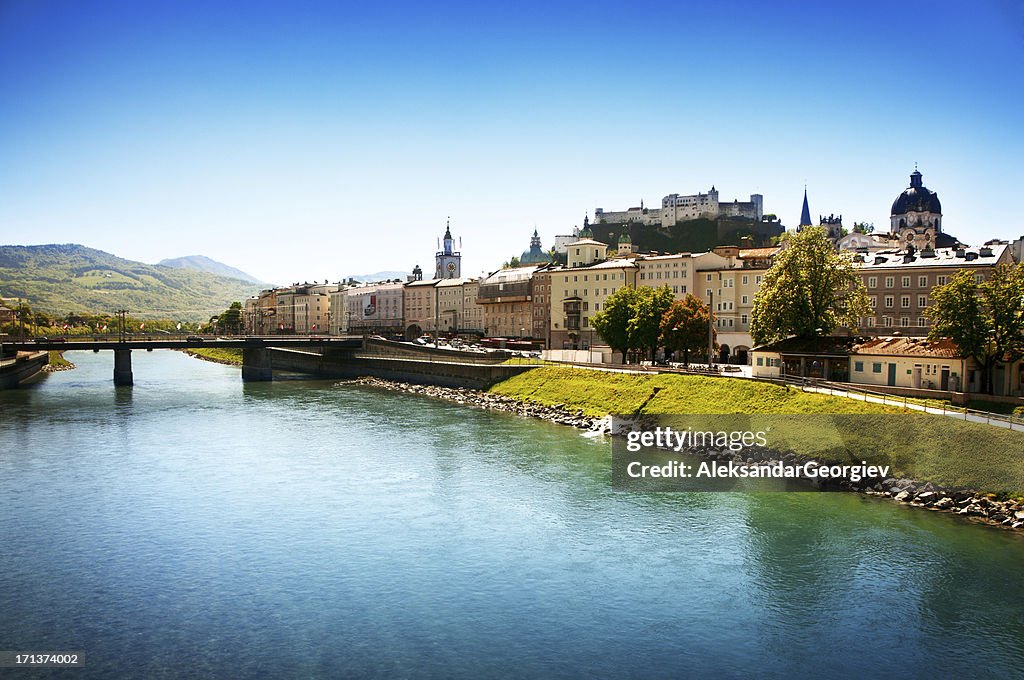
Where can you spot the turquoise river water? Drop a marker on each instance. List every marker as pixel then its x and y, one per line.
pixel 196 526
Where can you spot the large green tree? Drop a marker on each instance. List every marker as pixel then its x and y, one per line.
pixel 631 319
pixel 684 327
pixel 810 290
pixel 985 320
pixel 612 323
pixel 230 321
pixel 645 325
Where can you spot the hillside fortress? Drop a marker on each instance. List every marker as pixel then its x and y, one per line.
pixel 679 208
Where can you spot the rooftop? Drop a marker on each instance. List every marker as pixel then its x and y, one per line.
pixel 900 346
pixel 828 345
pixel 941 257
pixel 511 275
pixel 757 253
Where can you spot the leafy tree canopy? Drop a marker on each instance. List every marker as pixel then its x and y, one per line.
pixel 612 323
pixel 810 290
pixel 684 327
pixel 985 320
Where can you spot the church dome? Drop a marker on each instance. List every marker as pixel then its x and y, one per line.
pixel 916 198
pixel 536 254
pixel 625 238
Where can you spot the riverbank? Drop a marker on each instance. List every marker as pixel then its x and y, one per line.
pixel 57 362
pixel 230 357
pixel 531 395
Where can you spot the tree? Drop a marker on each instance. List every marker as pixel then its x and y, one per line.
pixel 684 327
pixel 810 290
pixel 985 320
pixel 631 319
pixel 645 324
pixel 612 323
pixel 511 264
pixel 231 320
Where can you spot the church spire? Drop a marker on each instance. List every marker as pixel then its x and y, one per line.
pixel 805 213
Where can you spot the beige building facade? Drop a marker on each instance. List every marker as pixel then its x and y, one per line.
pixel 580 290
pixel 420 306
pixel 506 297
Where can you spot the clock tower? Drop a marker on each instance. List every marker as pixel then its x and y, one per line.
pixel 449 260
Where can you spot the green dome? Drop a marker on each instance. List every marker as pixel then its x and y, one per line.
pixel 624 238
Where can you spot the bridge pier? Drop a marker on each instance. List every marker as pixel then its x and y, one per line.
pixel 256 365
pixel 123 367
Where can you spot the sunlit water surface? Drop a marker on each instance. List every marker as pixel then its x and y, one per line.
pixel 193 526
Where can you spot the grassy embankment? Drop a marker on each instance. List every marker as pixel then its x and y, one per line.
pixel 232 357
pixel 936 448
pixel 58 361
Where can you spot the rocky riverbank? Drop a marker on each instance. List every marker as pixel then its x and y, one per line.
pixel 493 402
pixel 57 362
pixel 969 503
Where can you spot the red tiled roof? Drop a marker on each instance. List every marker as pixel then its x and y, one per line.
pixel 759 252
pixel 899 346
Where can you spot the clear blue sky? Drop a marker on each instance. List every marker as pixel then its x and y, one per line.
pixel 311 140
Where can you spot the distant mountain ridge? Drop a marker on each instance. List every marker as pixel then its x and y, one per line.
pixel 64 278
pixel 201 263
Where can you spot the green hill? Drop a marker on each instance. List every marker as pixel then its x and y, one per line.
pixel 59 279
pixel 692 236
pixel 201 263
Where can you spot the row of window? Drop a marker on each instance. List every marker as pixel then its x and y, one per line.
pixel 922 281
pixel 887 321
pixel 597 291
pixel 650 276
pixel 744 280
pixel 597 277
pixel 890 301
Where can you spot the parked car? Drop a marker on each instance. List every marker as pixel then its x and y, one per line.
pixel 193 339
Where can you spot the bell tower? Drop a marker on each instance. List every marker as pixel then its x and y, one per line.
pixel 448 260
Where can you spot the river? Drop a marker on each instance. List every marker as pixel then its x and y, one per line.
pixel 196 526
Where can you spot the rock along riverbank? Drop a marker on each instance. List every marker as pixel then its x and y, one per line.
pixel 62 365
pixel 969 503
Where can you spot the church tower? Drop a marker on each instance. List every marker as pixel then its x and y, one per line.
pixel 805 214
pixel 586 232
pixel 449 260
pixel 916 216
pixel 625 243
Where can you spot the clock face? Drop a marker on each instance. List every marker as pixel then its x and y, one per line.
pixel 451 267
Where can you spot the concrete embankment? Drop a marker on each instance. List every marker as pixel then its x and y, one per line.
pixel 964 502
pixel 428 369
pixel 24 367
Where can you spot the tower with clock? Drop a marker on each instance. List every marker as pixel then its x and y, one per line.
pixel 449 260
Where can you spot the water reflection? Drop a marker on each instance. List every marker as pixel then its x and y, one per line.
pixel 249 527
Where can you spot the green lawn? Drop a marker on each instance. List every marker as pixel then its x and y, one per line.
pixel 57 360
pixel 219 355
pixel 936 448
pixel 599 393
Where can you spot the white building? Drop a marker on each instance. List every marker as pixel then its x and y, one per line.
pixel 368 309
pixel 680 208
